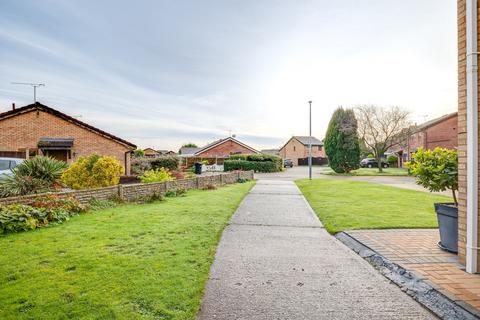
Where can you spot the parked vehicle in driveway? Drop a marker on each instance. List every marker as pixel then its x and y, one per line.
pixel 288 163
pixel 7 164
pixel 372 163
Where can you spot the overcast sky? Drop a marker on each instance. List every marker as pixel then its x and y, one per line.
pixel 161 73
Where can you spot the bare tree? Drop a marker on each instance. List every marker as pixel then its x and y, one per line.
pixel 382 128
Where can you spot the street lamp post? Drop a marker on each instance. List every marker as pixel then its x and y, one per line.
pixel 310 143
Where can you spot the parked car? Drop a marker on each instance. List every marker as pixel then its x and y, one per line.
pixel 7 164
pixel 288 163
pixel 372 163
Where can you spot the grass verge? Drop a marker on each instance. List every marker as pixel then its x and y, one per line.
pixel 347 205
pixel 368 172
pixel 133 261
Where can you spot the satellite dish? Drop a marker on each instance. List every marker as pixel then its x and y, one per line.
pixel 234 135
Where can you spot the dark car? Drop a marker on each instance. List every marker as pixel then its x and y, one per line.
pixel 372 163
pixel 288 163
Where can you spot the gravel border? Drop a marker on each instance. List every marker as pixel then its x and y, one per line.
pixel 414 286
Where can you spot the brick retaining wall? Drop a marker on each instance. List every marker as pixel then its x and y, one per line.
pixel 131 192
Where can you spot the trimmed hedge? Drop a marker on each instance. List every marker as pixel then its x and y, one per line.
pixel 261 158
pixel 257 166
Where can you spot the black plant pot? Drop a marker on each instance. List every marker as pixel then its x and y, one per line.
pixel 447 216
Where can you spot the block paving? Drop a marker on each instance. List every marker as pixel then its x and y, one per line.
pixel 416 250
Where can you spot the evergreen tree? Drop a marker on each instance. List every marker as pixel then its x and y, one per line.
pixel 341 141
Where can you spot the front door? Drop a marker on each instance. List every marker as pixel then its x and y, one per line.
pixel 58 154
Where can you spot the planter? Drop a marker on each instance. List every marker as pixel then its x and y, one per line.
pixel 447 216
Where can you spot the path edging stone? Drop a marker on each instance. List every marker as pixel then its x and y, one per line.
pixel 408 282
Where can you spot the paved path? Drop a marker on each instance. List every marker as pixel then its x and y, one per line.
pixel 301 172
pixel 275 261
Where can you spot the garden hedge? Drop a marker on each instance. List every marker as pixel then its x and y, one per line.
pixel 262 157
pixel 257 166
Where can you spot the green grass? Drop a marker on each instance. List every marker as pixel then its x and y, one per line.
pixel 146 261
pixel 346 205
pixel 368 172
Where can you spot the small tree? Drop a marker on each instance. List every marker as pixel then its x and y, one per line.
pixel 436 170
pixel 138 153
pixel 341 141
pixel 189 145
pixel 382 128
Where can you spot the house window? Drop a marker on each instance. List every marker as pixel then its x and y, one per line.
pixel 294 148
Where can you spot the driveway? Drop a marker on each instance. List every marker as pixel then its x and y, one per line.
pixel 275 261
pixel 301 172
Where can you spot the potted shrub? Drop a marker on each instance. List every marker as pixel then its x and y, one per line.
pixel 437 170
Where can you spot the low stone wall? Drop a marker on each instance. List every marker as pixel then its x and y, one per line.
pixel 131 192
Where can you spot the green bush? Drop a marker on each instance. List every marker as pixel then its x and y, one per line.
pixel 34 175
pixel 436 170
pixel 93 171
pixel 44 211
pixel 156 175
pixel 140 165
pixel 370 156
pixel 257 166
pixel 259 157
pixel 392 159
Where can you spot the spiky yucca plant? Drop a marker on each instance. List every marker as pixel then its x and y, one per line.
pixel 35 175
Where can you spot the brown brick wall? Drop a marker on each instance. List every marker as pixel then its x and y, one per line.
pixel 132 192
pixel 462 130
pixel 224 150
pixel 25 130
pixel 295 150
pixel 442 135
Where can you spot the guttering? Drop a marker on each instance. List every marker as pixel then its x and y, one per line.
pixel 472 137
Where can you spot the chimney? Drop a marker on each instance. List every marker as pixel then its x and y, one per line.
pixel 13 106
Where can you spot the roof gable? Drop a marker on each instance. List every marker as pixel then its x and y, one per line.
pixel 37 106
pixel 304 140
pixel 221 141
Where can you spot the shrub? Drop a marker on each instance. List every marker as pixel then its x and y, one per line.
pixel 341 141
pixel 370 156
pixel 392 159
pixel 180 192
pixel 97 204
pixel 93 171
pixel 266 166
pixel 34 175
pixel 43 212
pixel 140 165
pixel 156 175
pixel 436 170
pixel 262 157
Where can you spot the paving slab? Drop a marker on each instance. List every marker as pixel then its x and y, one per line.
pixel 275 261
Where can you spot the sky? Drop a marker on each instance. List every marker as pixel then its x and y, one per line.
pixel 163 73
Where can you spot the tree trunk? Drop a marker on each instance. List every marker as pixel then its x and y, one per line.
pixel 379 162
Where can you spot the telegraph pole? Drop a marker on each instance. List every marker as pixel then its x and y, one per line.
pixel 310 143
pixel 34 86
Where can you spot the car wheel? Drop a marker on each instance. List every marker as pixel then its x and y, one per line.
pixel 370 166
pixel 385 165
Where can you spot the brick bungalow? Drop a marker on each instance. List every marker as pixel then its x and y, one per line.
pixel 37 129
pixel 440 132
pixel 151 153
pixel 223 148
pixel 296 149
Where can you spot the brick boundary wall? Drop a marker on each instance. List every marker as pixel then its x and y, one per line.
pixel 132 192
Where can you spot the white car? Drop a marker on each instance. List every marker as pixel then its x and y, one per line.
pixel 7 164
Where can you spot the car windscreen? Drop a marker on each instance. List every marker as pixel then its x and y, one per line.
pixel 4 164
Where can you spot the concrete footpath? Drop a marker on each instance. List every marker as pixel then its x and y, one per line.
pixel 275 261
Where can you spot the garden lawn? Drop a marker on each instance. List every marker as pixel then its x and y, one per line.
pixel 368 172
pixel 346 205
pixel 133 261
